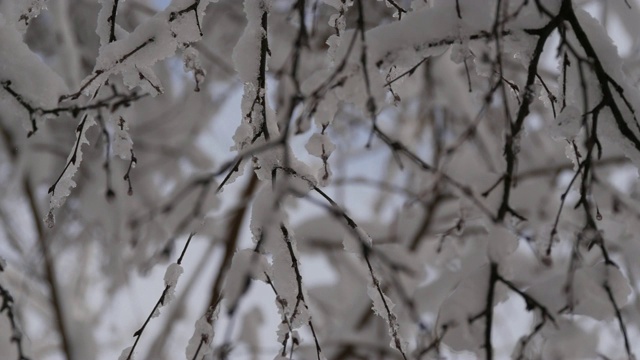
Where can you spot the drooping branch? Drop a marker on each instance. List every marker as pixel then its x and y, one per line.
pixel 565 14
pixel 511 143
pixel 97 72
pixel 127 175
pixel 285 318
pixel 300 299
pixel 161 301
pixel 193 7
pixel 74 154
pixel 50 272
pixel 106 165
pixel 7 306
pixel 366 252
pixel 261 92
pixel 623 328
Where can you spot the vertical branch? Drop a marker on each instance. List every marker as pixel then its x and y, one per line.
pixel 262 77
pixel 49 272
pixel 261 129
pixel 110 194
pixel 493 278
pixel 16 334
pixel 510 148
pixel 371 103
pixel 112 21
pixel 391 317
pixel 231 240
pixel 300 295
pixel 127 175
pixel 285 319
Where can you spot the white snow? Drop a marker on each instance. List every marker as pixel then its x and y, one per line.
pixel 63 188
pixel 171 280
pixel 122 143
pixel 28 75
pixel 125 354
pixel 20 13
pixel 320 145
pixel 203 333
pixel 154 40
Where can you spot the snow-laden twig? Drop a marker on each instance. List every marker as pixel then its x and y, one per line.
pixel 7 307
pixel 171 280
pixel 199 344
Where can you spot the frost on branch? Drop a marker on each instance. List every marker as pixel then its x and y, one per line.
pixel 250 53
pixel 250 60
pixel 439 128
pixel 122 143
pixel 192 64
pixel 152 41
pixel 359 242
pixel 108 30
pixel 384 308
pixel 61 188
pixel 20 13
pixel 27 85
pixel 273 236
pixel 320 146
pixel 613 101
pixel 200 343
pixel 171 280
pixel 338 20
pixel 171 276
